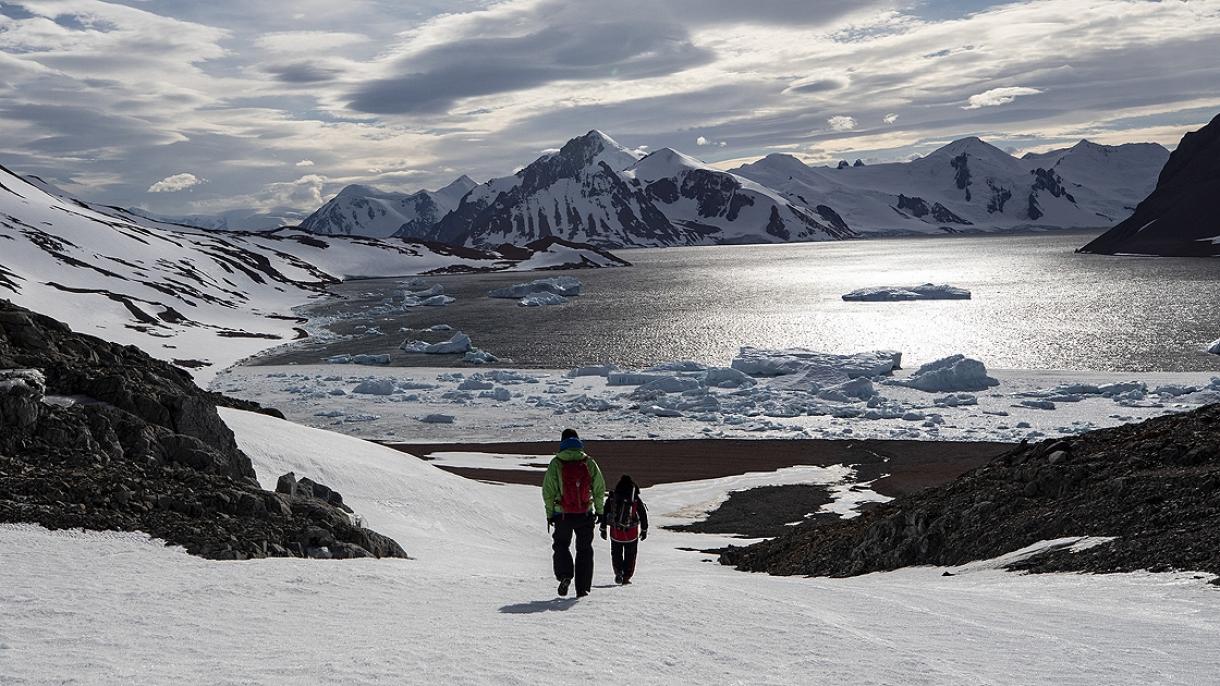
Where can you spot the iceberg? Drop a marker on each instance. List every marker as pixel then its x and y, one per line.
pixel 565 286
pixel 375 387
pixel 460 343
pixel 542 300
pixel 927 291
pixel 1214 348
pixel 948 374
pixel 476 356
pixel 829 367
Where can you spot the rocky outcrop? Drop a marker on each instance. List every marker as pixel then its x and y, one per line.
pixel 1154 486
pixel 96 435
pixel 1179 218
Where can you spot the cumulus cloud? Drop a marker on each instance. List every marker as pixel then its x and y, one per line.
pixel 305 163
pixel 890 118
pixel 998 96
pixel 841 122
pixel 702 140
pixel 177 182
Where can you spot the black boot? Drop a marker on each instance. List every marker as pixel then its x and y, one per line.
pixel 563 586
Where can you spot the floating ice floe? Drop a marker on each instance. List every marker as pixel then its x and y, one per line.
pixel 953 373
pixel 594 370
pixel 370 359
pixel 830 367
pixel 542 299
pixel 927 291
pixel 437 419
pixel 476 356
pixel 565 286
pixel 440 327
pixel 1214 348
pixel 459 343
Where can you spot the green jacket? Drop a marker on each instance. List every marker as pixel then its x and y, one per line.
pixel 552 485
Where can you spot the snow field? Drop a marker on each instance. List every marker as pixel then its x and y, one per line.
pixel 477 605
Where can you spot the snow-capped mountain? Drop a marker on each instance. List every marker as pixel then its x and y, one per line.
pixel 597 191
pixel 366 211
pixel 201 298
pixel 576 193
pixel 970 185
pixel 727 208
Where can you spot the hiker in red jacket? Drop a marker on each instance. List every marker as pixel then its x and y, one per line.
pixel 627 520
pixel 573 490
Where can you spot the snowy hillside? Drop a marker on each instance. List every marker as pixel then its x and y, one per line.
pixel 203 299
pixel 366 211
pixel 969 185
pixel 480 585
pixel 229 220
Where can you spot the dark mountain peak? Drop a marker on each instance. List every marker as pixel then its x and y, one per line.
pixel 1178 218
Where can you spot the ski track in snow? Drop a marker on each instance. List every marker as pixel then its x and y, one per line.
pixel 477 604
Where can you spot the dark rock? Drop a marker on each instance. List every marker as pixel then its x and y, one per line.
pixel 1179 217
pixel 147 453
pixel 1163 509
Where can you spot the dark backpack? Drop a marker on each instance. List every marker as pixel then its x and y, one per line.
pixel 622 509
pixel 576 486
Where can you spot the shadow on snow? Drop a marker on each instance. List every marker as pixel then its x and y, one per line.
pixel 554 605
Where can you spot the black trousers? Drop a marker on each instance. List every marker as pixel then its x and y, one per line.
pixel 622 556
pixel 580 526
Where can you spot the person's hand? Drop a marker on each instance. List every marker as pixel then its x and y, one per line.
pixel 603 532
pixel 643 534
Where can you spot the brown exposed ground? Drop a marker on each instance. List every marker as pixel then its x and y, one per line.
pixel 910 465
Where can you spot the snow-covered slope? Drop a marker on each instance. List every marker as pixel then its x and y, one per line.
pixel 969 185
pixel 202 298
pixel 366 211
pixel 477 605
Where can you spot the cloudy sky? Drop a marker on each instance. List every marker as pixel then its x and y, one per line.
pixel 184 106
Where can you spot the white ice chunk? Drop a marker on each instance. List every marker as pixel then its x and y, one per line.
pixel 476 356
pixel 542 300
pixel 953 373
pixel 927 291
pixel 459 343
pixel 437 419
pixel 566 286
pixel 375 387
pixel 836 368
pixel 727 377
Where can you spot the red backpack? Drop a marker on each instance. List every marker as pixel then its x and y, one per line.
pixel 576 486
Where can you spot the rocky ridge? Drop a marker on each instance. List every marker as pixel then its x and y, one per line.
pixel 99 436
pixel 1154 487
pixel 1178 219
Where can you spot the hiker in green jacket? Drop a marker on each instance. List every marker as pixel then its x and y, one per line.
pixel 574 492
